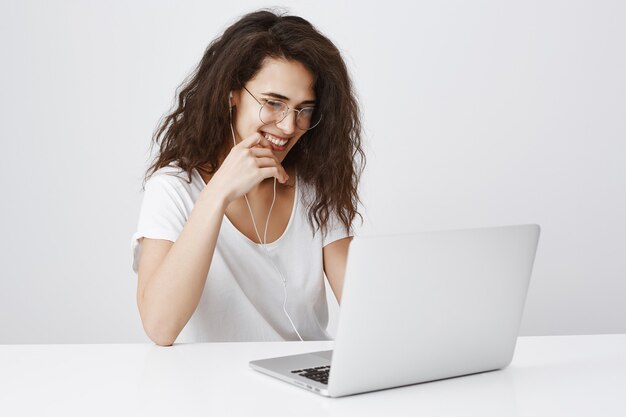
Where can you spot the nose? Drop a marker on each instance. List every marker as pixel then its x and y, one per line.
pixel 288 124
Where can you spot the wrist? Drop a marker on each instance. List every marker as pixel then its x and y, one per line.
pixel 215 195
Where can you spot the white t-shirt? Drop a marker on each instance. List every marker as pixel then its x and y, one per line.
pixel 243 295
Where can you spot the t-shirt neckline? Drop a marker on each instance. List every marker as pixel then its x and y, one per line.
pixel 291 217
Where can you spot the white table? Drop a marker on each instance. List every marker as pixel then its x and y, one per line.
pixel 550 376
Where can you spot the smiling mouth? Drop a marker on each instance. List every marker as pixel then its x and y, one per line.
pixel 278 144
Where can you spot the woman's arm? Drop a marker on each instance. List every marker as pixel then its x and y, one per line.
pixel 172 276
pixel 335 258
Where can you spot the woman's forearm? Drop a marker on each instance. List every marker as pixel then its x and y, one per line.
pixel 172 293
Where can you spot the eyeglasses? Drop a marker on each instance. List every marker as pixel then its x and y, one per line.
pixel 273 111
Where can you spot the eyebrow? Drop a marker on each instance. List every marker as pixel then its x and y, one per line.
pixel 281 97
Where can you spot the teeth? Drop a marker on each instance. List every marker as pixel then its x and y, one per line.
pixel 275 140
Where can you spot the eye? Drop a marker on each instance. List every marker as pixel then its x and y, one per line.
pixel 307 112
pixel 275 105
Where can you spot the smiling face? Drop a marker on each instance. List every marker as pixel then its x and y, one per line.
pixel 278 80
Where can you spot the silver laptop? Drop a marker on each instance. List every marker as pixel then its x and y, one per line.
pixel 421 307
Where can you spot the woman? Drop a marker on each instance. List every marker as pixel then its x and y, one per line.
pixel 271 101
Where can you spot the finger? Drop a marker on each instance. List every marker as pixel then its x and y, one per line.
pixel 266 162
pixel 266 153
pixel 267 156
pixel 271 162
pixel 252 140
pixel 263 152
pixel 263 143
pixel 269 172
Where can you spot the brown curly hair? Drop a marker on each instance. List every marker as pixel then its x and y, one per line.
pixel 329 157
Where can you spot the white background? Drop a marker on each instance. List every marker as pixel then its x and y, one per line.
pixel 477 113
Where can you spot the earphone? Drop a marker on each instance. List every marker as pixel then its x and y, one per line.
pixel 263 242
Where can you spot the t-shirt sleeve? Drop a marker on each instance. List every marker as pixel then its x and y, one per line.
pixel 336 230
pixel 162 214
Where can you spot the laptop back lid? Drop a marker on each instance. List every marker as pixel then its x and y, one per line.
pixel 425 306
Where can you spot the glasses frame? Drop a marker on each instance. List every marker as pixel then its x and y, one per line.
pixel 286 112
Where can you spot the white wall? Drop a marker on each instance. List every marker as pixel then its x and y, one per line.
pixel 476 113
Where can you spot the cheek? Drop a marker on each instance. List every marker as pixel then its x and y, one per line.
pixel 248 123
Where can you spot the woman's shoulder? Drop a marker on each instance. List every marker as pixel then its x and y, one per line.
pixel 173 176
pixel 172 170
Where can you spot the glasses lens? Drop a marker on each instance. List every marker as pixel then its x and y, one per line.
pixel 272 111
pixel 275 111
pixel 307 119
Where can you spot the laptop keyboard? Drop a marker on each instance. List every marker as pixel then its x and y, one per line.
pixel 319 373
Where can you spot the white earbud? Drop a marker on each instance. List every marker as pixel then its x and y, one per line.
pixel 230 97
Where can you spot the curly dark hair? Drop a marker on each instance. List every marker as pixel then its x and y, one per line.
pixel 329 157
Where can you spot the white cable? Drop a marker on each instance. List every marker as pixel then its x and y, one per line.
pixel 264 241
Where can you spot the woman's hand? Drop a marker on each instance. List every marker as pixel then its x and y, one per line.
pixel 246 165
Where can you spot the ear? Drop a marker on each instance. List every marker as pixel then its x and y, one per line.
pixel 233 98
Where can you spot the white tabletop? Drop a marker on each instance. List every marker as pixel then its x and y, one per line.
pixel 550 376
